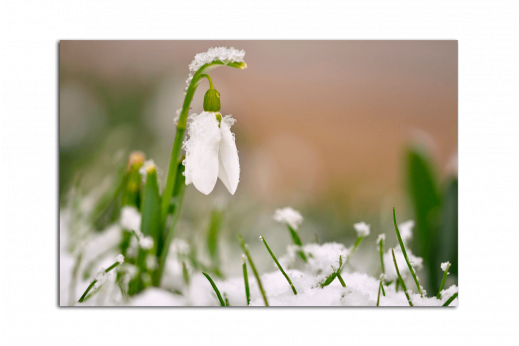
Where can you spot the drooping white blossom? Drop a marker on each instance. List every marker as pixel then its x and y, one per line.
pixel 289 216
pixel 362 229
pixel 211 153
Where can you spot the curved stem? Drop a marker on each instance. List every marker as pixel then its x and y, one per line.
pixel 82 299
pixel 209 79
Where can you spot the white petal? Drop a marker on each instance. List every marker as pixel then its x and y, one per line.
pixel 202 152
pixel 229 172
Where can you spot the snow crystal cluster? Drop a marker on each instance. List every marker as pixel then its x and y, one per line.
pixel 226 55
pixel 445 265
pixel 289 216
pixel 362 229
pixel 119 258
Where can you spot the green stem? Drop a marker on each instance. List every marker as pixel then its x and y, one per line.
pixel 208 79
pixel 185 273
pixel 82 299
pixel 246 252
pixel 405 255
pixel 451 299
pixel 355 246
pixel 401 280
pixel 381 250
pixel 379 289
pixel 222 303
pixel 246 280
pixel 279 265
pixel 443 281
pixel 383 292
pixel 181 127
pixel 341 280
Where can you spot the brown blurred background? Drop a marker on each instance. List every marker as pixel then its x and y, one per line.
pixel 322 126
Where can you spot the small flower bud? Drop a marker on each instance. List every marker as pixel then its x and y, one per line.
pixel 212 101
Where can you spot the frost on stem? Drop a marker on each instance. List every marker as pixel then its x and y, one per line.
pixel 101 278
pixel 362 229
pixel 381 237
pixel 225 55
pixel 445 265
pixel 119 258
pixel 130 219
pixel 289 216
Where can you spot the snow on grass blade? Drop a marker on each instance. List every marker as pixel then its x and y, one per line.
pixel 381 250
pixel 246 251
pixel 400 278
pixel 451 299
pixel 101 275
pixel 336 274
pixel 279 265
pixel 222 303
pixel 246 279
pixel 185 273
pixel 446 272
pixel 405 255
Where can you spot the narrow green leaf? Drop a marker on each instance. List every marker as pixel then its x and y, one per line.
pixel 246 281
pixel 279 265
pixel 222 303
pixel 451 299
pixel 401 280
pixel 246 252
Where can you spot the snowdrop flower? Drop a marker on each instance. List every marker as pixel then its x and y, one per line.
pixel 289 216
pixel 211 151
pixel 362 229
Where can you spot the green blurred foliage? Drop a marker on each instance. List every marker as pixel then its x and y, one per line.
pixel 435 238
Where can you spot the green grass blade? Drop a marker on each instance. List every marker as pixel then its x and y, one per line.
pixel 279 265
pixel 445 273
pixel 379 289
pixel 107 270
pixel 405 255
pixel 447 303
pixel 297 241
pixel 343 284
pixel 381 250
pixel 215 225
pixel 246 281
pixel 222 303
pixel 401 280
pixel 246 252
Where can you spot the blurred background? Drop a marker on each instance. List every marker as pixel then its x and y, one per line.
pixel 342 131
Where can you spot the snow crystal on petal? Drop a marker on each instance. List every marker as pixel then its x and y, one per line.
pixel 226 55
pixel 290 216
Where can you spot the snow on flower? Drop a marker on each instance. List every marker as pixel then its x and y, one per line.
pixel 211 153
pixel 362 229
pixel 226 55
pixel 445 265
pixel 289 216
pixel 119 258
pixel 130 219
pixel 406 230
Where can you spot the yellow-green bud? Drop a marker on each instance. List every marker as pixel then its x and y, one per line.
pixel 212 101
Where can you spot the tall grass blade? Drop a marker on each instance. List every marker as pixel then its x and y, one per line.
pixel 246 252
pixel 401 280
pixel 279 265
pixel 222 303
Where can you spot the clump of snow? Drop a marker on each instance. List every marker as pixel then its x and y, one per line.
pixel 445 265
pixel 119 258
pixel 101 278
pixel 147 167
pixel 362 229
pixel 416 262
pixel 448 292
pixel 157 297
pixel 151 262
pixel 321 257
pixel 406 231
pixel 289 216
pixel 146 243
pixel 381 237
pixel 130 219
pixel 226 55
